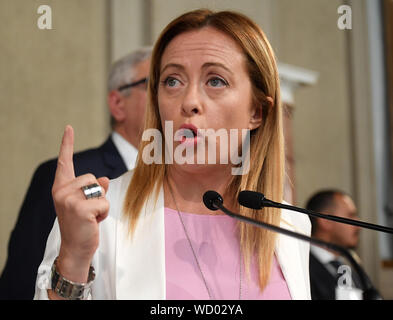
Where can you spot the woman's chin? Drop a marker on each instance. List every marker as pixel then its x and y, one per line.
pixel 197 169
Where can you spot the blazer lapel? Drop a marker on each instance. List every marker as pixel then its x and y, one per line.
pixel 112 159
pixel 288 252
pixel 140 265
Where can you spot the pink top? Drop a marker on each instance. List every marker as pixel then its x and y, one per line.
pixel 215 244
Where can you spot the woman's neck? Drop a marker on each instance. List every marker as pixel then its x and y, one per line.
pixel 184 190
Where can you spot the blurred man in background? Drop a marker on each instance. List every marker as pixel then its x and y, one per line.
pixel 324 265
pixel 127 84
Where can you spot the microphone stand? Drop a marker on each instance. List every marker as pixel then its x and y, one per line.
pixel 368 292
pixel 269 203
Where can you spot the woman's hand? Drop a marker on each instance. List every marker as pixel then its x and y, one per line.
pixel 78 217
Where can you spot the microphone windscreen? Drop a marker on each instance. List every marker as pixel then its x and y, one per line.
pixel 250 199
pixel 210 197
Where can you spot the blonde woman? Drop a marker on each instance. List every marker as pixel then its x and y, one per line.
pixel 147 234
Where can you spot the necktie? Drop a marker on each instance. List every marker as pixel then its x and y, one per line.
pixel 342 275
pixel 345 275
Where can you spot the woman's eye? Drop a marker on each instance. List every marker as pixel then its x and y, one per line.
pixel 217 82
pixel 171 82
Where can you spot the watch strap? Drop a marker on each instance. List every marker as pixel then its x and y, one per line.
pixel 68 289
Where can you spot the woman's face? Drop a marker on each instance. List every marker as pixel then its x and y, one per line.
pixel 204 84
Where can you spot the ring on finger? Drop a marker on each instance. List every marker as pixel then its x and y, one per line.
pixel 92 191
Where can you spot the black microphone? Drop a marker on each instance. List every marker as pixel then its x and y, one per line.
pixel 214 201
pixel 257 200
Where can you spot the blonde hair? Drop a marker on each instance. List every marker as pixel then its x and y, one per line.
pixel 266 142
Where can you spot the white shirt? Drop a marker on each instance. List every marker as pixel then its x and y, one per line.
pixel 127 151
pixel 325 257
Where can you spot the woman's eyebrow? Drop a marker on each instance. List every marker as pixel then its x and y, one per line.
pixel 216 64
pixel 174 65
pixel 205 65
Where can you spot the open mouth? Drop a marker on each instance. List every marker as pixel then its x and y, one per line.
pixel 189 134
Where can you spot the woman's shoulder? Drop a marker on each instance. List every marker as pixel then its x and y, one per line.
pixel 124 178
pixel 298 221
pixel 120 183
pixel 117 191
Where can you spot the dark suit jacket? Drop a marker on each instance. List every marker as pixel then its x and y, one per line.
pixel 36 217
pixel 322 282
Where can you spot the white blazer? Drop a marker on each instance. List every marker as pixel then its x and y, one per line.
pixel 134 268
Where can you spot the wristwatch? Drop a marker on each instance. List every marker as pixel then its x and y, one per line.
pixel 71 290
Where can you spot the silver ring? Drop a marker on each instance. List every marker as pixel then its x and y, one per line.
pixel 92 191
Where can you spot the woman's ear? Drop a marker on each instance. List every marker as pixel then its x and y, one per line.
pixel 257 115
pixel 116 105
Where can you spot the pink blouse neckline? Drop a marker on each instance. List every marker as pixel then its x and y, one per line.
pixel 215 243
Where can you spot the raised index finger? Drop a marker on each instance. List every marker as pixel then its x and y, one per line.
pixel 65 165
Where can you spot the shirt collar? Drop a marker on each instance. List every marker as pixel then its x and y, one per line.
pixel 323 255
pixel 127 151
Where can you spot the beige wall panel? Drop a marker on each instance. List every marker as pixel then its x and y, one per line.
pixel 127 26
pixel 306 35
pixel 164 11
pixel 48 78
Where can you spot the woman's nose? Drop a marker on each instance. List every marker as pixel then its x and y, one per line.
pixel 192 102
